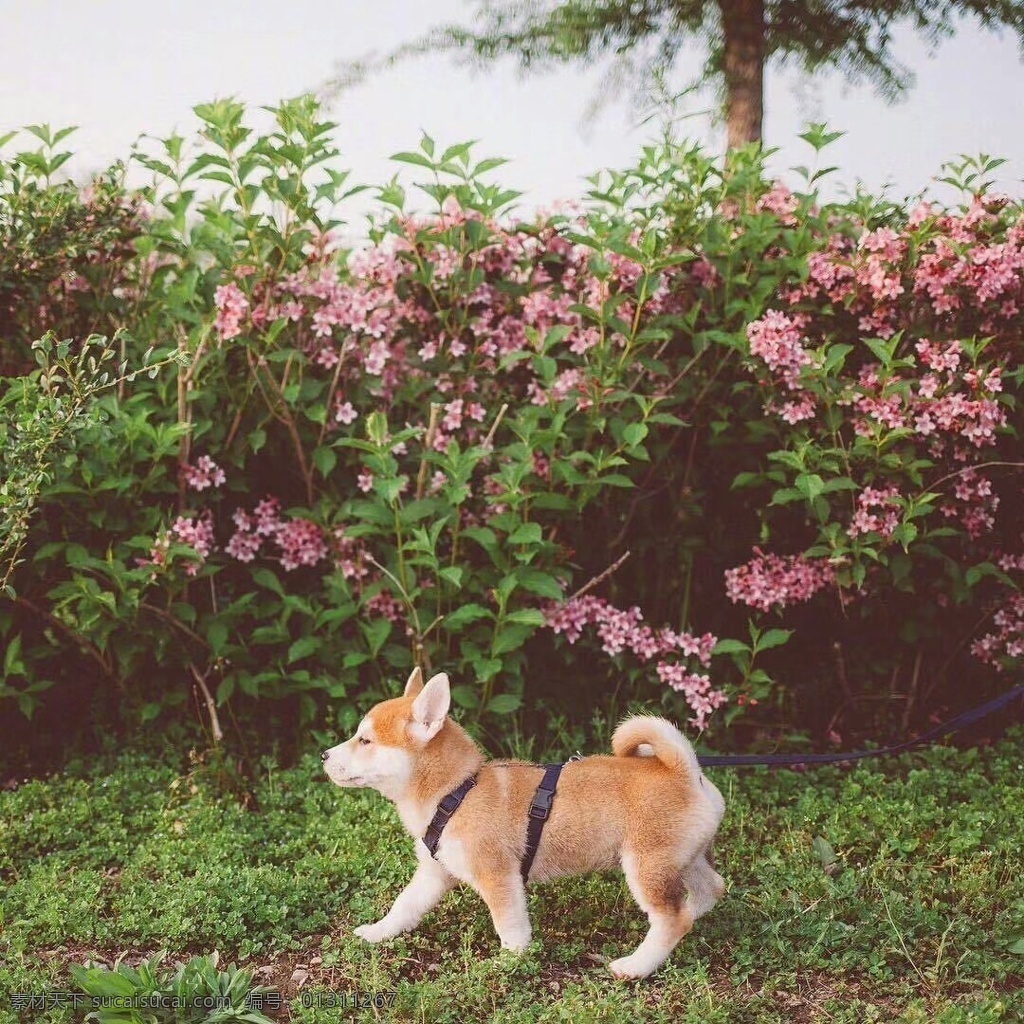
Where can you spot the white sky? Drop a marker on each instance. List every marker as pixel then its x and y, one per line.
pixel 119 68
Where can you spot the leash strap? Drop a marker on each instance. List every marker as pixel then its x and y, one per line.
pixel 961 721
pixel 445 809
pixel 538 816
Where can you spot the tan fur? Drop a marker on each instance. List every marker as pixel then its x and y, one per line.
pixel 656 815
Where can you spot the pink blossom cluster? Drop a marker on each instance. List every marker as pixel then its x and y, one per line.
pixel 950 262
pixel 696 688
pixel 621 630
pixel 1007 639
pixel 773 581
pixel 975 504
pixel 777 340
pixel 625 631
pixel 195 532
pixel 960 405
pixel 963 265
pixel 373 324
pixel 385 605
pixel 300 542
pixel 877 511
pixel 350 556
pixel 205 473
pixel 232 305
pixel 780 201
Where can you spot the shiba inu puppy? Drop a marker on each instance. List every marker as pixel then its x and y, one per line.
pixel 648 808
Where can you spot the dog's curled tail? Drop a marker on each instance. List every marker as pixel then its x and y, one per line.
pixel 644 736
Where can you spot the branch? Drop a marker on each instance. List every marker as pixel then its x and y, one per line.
pixel 601 578
pixel 211 706
pixel 428 442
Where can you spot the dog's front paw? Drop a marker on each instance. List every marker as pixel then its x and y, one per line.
pixel 627 968
pixel 373 932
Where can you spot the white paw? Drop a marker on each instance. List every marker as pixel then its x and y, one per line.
pixel 628 967
pixel 373 932
pixel 516 945
pixel 517 942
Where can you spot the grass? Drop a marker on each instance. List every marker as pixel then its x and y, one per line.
pixel 885 892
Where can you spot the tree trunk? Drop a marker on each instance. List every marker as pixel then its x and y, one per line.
pixel 743 66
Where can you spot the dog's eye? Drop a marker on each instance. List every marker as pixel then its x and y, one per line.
pixel 363 741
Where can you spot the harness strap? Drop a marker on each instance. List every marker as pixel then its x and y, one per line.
pixel 538 815
pixel 445 809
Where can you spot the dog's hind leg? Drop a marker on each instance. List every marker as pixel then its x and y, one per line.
pixel 425 890
pixel 704 885
pixel 505 896
pixel 658 885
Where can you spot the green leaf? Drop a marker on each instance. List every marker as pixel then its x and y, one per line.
pixel 503 704
pixel 376 632
pixel 634 434
pixel 303 648
pixel 484 536
pixel 325 459
pixel 265 578
pixel 217 637
pixel 453 574
pixel 1016 947
pixel 487 668
pixel 824 852
pixel 527 616
pixel 466 696
pixel 390 488
pixel 12 658
pixel 413 158
pixel 466 615
pixel 773 638
pixel 882 350
pixel 786 496
pixel 728 646
pixel 810 485
pixel 541 583
pixel 511 638
pixel 528 533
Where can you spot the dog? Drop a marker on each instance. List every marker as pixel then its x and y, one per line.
pixel 648 808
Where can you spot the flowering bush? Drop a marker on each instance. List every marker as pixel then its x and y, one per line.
pixel 888 375
pixel 65 253
pixel 437 446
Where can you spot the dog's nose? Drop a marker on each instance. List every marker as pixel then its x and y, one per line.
pixel 326 754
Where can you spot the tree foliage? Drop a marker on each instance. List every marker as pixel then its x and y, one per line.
pixel 644 39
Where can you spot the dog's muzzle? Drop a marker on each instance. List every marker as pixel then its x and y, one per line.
pixel 324 756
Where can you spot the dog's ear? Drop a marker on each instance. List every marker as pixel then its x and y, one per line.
pixel 415 683
pixel 430 707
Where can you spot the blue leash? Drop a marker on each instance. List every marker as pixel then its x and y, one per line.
pixel 961 721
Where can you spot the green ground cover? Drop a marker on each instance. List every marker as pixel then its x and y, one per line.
pixel 889 891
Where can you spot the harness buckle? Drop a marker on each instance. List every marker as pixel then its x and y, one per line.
pixel 541 806
pixel 449 805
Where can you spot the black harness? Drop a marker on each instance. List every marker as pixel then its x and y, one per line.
pixel 445 809
pixel 540 809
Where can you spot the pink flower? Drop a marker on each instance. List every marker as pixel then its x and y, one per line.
pixel 205 473
pixel 196 532
pixel 245 543
pixel 385 605
pixel 625 631
pixel 345 413
pixel 768 580
pixel 231 306
pixel 1006 641
pixel 781 202
pixel 777 340
pixel 302 543
pixel 883 521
